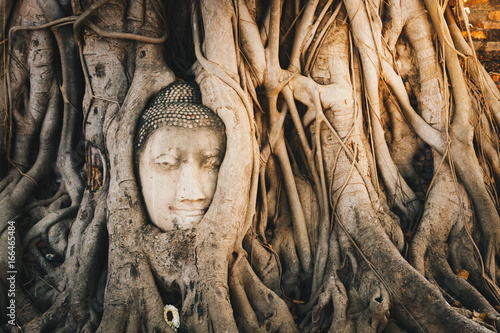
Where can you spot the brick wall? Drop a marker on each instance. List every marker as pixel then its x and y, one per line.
pixel 485 20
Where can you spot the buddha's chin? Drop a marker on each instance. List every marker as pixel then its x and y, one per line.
pixel 179 222
pixel 186 222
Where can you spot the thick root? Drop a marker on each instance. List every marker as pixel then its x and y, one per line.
pixel 261 310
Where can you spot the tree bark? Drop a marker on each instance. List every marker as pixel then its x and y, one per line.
pixel 358 190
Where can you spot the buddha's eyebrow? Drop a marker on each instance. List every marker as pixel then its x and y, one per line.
pixel 174 152
pixel 211 152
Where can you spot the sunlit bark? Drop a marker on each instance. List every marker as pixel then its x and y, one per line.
pixel 358 191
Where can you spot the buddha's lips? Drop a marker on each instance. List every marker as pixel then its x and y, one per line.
pixel 188 212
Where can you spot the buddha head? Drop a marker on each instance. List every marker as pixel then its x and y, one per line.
pixel 179 147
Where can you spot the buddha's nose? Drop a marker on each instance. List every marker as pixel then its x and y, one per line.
pixel 189 187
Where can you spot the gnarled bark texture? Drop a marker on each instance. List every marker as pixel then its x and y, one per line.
pixel 359 188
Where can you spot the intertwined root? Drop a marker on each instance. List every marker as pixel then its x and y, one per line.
pixel 359 178
pixel 257 308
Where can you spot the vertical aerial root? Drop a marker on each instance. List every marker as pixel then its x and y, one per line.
pixel 332 291
pixel 442 210
pixel 284 245
pixel 250 42
pixel 471 176
pixel 404 144
pixel 477 72
pixel 67 159
pixel 29 182
pixel 489 145
pixel 260 223
pixel 244 313
pixel 368 41
pixel 299 221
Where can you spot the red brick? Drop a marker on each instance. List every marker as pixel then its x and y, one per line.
pixel 475 34
pixel 492 25
pixel 475 2
pixel 493 34
pixel 492 47
pixel 494 15
pixel 478 24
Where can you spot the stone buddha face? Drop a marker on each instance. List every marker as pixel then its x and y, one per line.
pixel 180 147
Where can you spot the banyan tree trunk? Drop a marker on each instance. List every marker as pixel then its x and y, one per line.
pixel 358 191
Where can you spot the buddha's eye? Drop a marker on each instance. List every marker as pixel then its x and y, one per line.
pixel 212 162
pixel 166 162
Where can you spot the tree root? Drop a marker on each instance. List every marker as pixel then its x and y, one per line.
pixel 51 318
pixel 431 231
pixel 67 159
pixel 254 312
pixel 43 226
pixel 28 183
pixel 436 314
pixel 324 243
pixel 264 262
pixel 299 221
pixel 332 291
pixel 61 191
pixel 464 255
pixel 70 311
pixel 283 244
pixel 462 290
